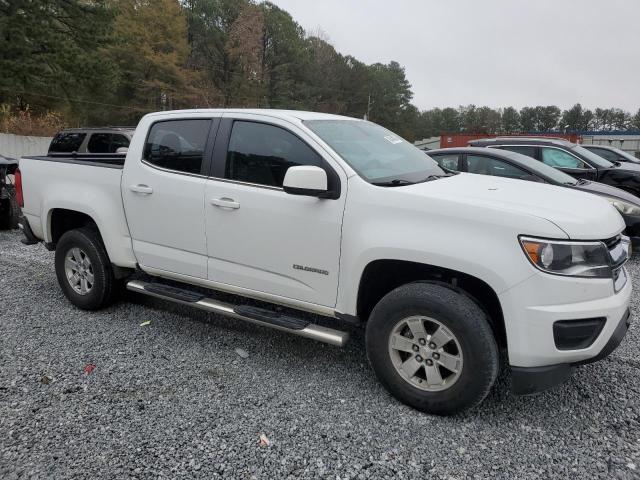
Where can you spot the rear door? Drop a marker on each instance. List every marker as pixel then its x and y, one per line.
pixel 259 238
pixel 163 194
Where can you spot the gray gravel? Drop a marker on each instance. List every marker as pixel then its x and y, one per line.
pixel 176 399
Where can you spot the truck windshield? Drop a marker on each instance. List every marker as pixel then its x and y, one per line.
pixel 376 154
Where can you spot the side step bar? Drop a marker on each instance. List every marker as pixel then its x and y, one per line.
pixel 259 316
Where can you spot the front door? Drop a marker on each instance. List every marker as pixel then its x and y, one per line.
pixel 260 238
pixel 163 194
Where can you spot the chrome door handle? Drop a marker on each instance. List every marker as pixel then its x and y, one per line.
pixel 225 203
pixel 140 188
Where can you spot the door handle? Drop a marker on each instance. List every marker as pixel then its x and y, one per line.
pixel 225 203
pixel 140 188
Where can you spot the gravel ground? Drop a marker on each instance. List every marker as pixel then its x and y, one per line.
pixel 174 399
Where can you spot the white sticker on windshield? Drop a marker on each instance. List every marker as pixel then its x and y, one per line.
pixel 393 139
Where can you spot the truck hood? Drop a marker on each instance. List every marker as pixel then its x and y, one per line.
pixel 581 215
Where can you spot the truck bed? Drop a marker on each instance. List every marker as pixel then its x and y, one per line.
pixel 108 160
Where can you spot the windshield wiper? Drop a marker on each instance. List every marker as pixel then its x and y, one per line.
pixel 436 177
pixel 396 182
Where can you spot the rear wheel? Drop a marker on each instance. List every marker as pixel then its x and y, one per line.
pixel 83 269
pixel 9 210
pixel 432 347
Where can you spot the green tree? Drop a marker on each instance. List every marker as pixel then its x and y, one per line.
pixel 285 57
pixel 635 121
pixel 244 51
pixel 576 119
pixel 50 54
pixel 151 52
pixel 449 121
pixel 528 119
pixel 510 120
pixel 547 118
pixel 390 93
pixel 209 23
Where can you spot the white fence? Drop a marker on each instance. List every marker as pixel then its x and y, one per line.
pixel 16 146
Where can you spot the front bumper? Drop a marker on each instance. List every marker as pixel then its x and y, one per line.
pixel 532 307
pixel 529 380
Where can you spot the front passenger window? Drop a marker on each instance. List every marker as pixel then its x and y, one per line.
pixel 561 159
pixel 261 153
pixel 606 154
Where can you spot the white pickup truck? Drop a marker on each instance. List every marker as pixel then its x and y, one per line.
pixel 344 219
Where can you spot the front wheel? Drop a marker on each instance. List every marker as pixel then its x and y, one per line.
pixel 432 347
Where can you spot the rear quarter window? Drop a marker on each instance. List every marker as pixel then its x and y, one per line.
pixel 67 142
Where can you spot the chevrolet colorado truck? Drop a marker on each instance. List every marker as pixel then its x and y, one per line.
pixel 310 212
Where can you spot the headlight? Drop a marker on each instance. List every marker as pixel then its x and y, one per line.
pixel 623 207
pixel 573 259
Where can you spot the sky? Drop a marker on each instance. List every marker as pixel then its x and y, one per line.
pixel 492 52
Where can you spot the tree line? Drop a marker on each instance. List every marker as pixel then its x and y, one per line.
pixel 108 62
pixel 539 119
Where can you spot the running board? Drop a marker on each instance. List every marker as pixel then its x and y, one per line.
pixel 259 316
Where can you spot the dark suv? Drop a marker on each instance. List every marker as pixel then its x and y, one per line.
pixel 91 140
pixel 612 154
pixel 572 159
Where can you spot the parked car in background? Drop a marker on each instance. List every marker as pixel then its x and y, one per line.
pixel 9 208
pixel 611 153
pixel 571 158
pixel 509 164
pixel 91 140
pixel 442 268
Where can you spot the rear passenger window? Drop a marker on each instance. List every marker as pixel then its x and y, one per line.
pixel 118 141
pixel 99 143
pixel 491 166
pixel 261 153
pixel 67 142
pixel 106 142
pixel 177 145
pixel 523 149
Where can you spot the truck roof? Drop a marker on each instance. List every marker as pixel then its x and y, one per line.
pixel 284 114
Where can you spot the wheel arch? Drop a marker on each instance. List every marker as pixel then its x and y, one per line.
pixel 380 277
pixel 61 220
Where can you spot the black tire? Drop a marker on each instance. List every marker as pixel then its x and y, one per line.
pixel 458 313
pixel 104 287
pixel 9 210
pixel 14 208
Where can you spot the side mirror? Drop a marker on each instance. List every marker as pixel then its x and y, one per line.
pixel 122 150
pixel 305 180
